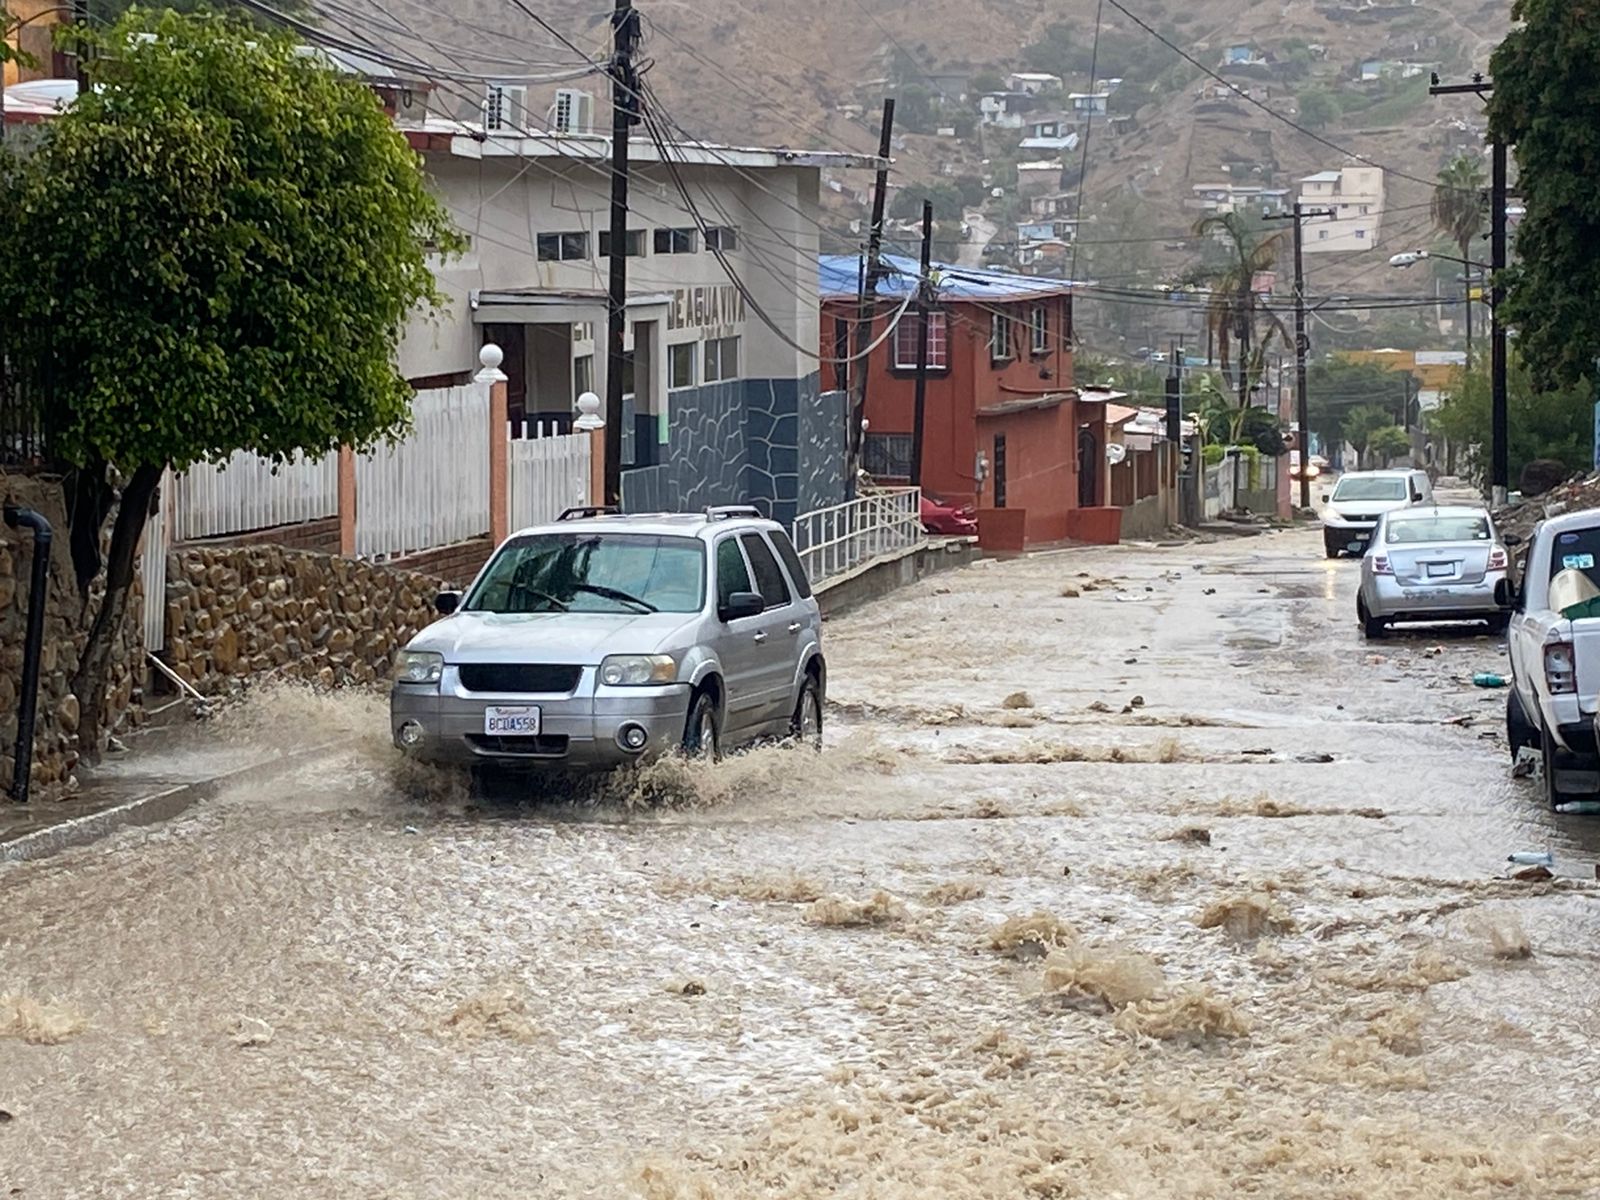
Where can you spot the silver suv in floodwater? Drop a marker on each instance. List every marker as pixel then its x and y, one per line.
pixel 602 639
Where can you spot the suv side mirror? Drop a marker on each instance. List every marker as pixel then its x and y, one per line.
pixel 742 604
pixel 447 602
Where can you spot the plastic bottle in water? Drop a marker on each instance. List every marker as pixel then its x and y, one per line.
pixel 1532 858
pixel 1490 679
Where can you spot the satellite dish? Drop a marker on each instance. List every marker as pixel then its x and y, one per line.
pixel 1115 453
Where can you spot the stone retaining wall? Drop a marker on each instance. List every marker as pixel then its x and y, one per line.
pixel 56 748
pixel 240 614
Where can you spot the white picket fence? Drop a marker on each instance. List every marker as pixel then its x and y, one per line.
pixel 433 488
pixel 250 492
pixel 546 475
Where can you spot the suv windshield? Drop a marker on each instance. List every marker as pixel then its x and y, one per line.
pixel 1438 529
pixel 593 572
pixel 1355 487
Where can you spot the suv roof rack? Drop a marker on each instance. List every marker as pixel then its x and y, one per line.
pixel 589 510
pixel 723 512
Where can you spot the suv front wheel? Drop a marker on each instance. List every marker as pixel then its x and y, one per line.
pixel 701 733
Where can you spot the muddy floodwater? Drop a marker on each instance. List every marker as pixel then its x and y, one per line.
pixel 1126 873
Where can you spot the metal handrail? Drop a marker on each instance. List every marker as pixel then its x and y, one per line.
pixel 841 537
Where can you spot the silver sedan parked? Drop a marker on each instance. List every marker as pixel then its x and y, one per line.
pixel 1434 563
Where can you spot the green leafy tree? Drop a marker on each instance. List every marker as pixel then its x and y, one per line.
pixel 1546 94
pixel 1318 108
pixel 1388 442
pixel 1459 207
pixel 985 81
pixel 1555 424
pixel 1051 51
pixel 1237 314
pixel 1364 420
pixel 213 250
pixel 1336 387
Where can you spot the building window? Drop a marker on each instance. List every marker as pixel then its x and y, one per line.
pixel 1365 209
pixel 1000 347
pixel 676 241
pixel 680 364
pixel 583 373
pixel 562 247
pixel 722 237
pixel 633 244
pixel 1322 235
pixel 722 359
pixel 1039 327
pixel 887 455
pixel 905 343
pixel 1361 235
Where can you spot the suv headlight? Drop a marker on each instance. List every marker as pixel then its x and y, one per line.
pixel 418 666
pixel 638 670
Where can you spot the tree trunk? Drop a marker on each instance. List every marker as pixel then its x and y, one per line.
pixel 89 684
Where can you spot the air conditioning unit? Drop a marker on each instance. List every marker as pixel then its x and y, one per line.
pixel 573 111
pixel 505 108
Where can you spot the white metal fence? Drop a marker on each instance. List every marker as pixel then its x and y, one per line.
pixel 432 489
pixel 842 537
pixel 250 492
pixel 547 474
pixel 153 570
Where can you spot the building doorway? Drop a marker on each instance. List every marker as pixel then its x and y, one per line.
pixel 1088 468
pixel 999 470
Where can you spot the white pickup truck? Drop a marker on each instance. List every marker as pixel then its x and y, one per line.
pixel 1555 660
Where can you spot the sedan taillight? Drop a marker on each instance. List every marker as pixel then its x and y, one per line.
pixel 1497 559
pixel 1560 670
pixel 1381 565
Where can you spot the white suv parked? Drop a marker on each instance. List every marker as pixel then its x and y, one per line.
pixel 601 639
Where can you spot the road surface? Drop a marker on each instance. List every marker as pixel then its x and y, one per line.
pixel 1261 942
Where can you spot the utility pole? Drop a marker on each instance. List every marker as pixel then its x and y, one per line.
pixel 624 115
pixel 924 311
pixel 869 299
pixel 1499 433
pixel 1302 342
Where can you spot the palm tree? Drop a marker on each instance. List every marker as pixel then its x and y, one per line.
pixel 1236 309
pixel 1458 212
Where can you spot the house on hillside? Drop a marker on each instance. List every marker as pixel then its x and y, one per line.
pixel 1089 104
pixel 1004 110
pixel 1039 178
pixel 1004 427
pixel 1034 83
pixel 1356 196
pixel 1052 133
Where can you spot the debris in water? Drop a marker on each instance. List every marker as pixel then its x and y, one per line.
pixel 1197 834
pixel 1070 593
pixel 1532 858
pixel 842 912
pixel 1112 975
pixel 1100 706
pixel 1533 874
pixel 498 1012
pixel 1489 679
pixel 1507 939
pixel 1576 808
pixel 955 891
pixel 39 1022
pixel 1136 702
pixel 252 1031
pixel 1032 936
pixel 5 1117
pixel 1313 758
pixel 1246 916
pixel 1190 1013
pixel 1017 700
pixel 687 987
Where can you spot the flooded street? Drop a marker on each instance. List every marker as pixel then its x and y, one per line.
pixel 1128 872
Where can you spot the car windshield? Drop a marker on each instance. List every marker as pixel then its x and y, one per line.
pixel 593 573
pixel 1413 530
pixel 1355 487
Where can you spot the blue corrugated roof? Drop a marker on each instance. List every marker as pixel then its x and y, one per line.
pixel 840 275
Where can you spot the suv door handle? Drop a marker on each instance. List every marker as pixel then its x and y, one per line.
pixel 762 636
pixel 794 626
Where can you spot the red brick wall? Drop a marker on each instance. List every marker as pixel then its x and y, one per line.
pixel 455 564
pixel 321 536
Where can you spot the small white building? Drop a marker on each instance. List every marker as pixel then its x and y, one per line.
pixel 1032 82
pixel 1356 197
pixel 1050 134
pixel 1003 110
pixel 1238 197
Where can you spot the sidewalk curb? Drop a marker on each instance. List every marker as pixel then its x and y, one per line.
pixel 159 806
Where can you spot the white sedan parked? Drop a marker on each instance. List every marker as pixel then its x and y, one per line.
pixel 1433 563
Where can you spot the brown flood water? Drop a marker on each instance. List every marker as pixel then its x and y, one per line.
pixel 1215 907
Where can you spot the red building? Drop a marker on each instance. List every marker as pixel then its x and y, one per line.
pixel 1004 428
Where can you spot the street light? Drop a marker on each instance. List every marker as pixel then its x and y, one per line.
pixel 1409 258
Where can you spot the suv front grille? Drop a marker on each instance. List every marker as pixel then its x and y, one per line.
pixel 545 745
pixel 533 678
